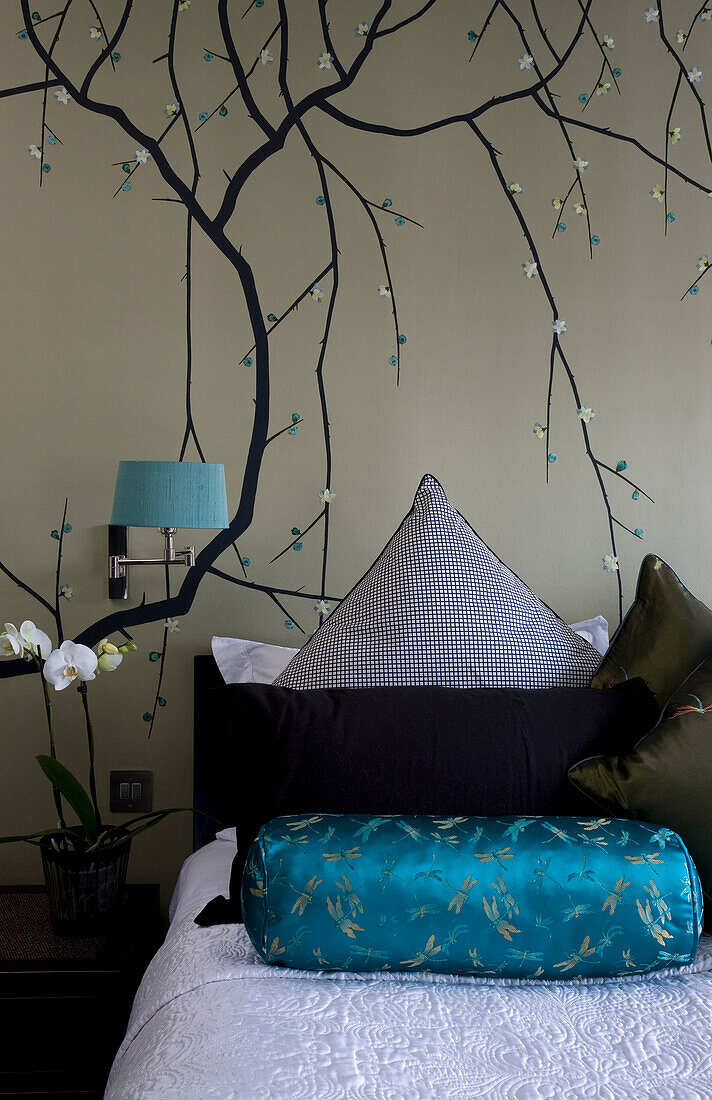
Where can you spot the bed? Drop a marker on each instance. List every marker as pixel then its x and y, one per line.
pixel 211 1019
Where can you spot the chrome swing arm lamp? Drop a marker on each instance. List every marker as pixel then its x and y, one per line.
pixel 166 495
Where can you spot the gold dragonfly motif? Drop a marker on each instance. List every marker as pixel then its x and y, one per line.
pixel 306 895
pixel 615 894
pixel 651 923
pixel 496 855
pixel 274 951
pixel 350 896
pixel 498 922
pixel 370 827
pixel 448 822
pixel 650 858
pixel 576 956
pixel 508 902
pixel 419 911
pixel 423 956
pixel 658 902
pixel 343 922
pixel 343 854
pixel 514 831
pixel 304 823
pixel 460 896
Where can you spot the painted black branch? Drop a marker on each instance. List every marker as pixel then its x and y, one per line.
pixel 683 71
pixel 248 99
pixel 578 180
pixel 108 49
pixel 405 22
pixel 38 86
pixel 293 306
pixel 284 611
pixel 236 89
pixel 270 588
pixel 55 39
pixel 492 154
pixel 485 25
pixel 607 132
pixel 298 538
pixel 542 30
pixel 605 466
pixel 137 165
pixel 382 247
pixel 31 592
pixel 284 88
pixel 102 28
pixel 700 276
pixel 602 49
pixel 314 98
pixel 164 648
pixel 326 35
pixel 465 116
pixel 57 596
pixel 189 422
pixel 281 431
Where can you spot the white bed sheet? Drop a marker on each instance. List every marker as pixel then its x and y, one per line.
pixel 211 1020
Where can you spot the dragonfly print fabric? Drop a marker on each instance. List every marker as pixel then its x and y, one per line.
pixel 530 897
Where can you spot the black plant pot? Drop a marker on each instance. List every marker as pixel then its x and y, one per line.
pixel 85 889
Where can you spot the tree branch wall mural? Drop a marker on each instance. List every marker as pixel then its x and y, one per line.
pixel 544 58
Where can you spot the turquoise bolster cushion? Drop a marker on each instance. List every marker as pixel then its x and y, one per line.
pixel 517 897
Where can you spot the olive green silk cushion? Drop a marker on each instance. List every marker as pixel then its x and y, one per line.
pixel 664 636
pixel 667 779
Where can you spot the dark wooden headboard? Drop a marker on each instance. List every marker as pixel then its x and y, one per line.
pixel 209 794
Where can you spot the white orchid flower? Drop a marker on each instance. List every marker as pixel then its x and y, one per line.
pixel 586 414
pixel 266 57
pixel 34 151
pixel 580 164
pixel 324 61
pixel 384 291
pixel 11 642
pixel 72 661
pixel 109 656
pixel 142 156
pixel 559 327
pixel 657 193
pixel 95 32
pixel 326 495
pixel 62 95
pixel 694 75
pixel 322 607
pixel 610 563
pixel 35 640
pixel 525 61
pixel 172 626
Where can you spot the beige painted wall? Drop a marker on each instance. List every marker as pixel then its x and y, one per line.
pixel 94 344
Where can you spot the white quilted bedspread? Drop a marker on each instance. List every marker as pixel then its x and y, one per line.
pixel 211 1021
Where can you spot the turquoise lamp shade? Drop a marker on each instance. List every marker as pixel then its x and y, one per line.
pixel 170 494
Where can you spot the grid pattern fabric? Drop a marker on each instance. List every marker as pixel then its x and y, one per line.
pixel 438 607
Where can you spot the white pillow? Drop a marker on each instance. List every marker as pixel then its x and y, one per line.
pixel 595 631
pixel 244 662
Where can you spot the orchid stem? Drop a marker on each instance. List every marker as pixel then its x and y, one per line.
pixel 52 750
pixel 82 689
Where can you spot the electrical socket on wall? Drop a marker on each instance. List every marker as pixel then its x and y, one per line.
pixel 130 792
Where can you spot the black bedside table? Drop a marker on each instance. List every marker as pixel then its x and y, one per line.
pixel 65 1000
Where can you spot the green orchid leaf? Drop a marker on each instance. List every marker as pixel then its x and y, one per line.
pixel 72 790
pixel 122 834
pixel 31 838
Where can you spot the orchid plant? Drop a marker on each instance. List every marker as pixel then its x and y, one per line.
pixel 73 663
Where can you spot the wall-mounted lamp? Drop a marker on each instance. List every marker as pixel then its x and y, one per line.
pixel 166 495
